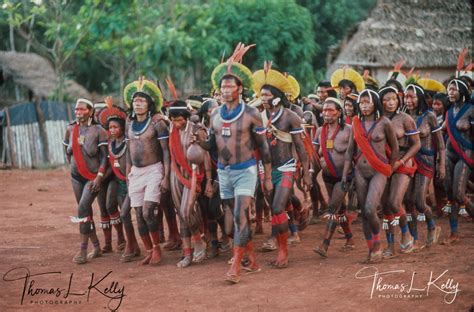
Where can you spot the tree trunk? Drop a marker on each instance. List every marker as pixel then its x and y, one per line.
pixel 122 82
pixel 30 34
pixel 12 35
pixel 42 129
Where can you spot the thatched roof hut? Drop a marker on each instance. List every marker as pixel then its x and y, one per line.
pixel 36 74
pixel 428 34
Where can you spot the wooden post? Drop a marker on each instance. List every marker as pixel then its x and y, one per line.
pixel 69 113
pixel 13 157
pixel 42 128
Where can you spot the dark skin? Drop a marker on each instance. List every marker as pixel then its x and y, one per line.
pixel 457 171
pixel 421 182
pixel 145 150
pixel 281 152
pixel 189 221
pixel 94 156
pixel 237 148
pixel 309 118
pixel 370 184
pixel 408 146
pixel 331 115
pixel 313 105
pixel 114 198
pixel 214 215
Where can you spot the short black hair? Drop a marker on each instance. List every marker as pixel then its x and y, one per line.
pixel 327 84
pixel 352 98
pixel 347 83
pixel 177 109
pixel 443 98
pixel 120 121
pixel 149 100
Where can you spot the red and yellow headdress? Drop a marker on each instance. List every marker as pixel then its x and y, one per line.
pixel 269 76
pixel 111 112
pixel 292 96
pixel 431 85
pixel 347 73
pixel 142 85
pixel 233 66
pixel 369 80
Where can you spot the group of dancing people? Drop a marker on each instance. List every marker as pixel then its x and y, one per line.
pixel 227 160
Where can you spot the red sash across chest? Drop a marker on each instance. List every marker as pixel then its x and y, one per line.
pixel 331 166
pixel 79 157
pixel 179 161
pixel 366 148
pixel 115 170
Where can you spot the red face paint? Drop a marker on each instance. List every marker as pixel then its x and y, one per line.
pixel 82 111
pixel 229 90
pixel 330 113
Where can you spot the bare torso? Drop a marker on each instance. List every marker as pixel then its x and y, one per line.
pixel 145 147
pixel 239 146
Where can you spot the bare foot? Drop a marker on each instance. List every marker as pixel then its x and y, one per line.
pixel 81 257
pixel 155 255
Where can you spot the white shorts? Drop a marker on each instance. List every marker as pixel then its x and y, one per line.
pixel 144 184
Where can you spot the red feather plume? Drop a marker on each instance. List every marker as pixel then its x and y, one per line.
pixel 398 65
pixel 461 57
pixel 172 88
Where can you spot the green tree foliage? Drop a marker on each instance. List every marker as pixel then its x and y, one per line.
pixel 53 28
pixel 332 20
pixel 105 44
pixel 281 30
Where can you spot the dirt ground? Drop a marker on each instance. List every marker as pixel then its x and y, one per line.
pixel 37 238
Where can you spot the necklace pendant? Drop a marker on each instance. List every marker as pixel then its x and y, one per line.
pixel 330 144
pixel 116 163
pixel 226 130
pixel 136 137
pixel 81 139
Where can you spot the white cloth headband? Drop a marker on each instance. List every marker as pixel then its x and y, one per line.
pixel 85 101
pixel 178 108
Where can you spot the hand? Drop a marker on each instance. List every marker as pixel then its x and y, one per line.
pixel 209 191
pixel 268 186
pixel 308 182
pixel 165 184
pixel 397 165
pixel 344 184
pixel 94 186
pixel 441 172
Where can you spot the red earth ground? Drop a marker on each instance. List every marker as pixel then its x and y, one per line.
pixel 37 236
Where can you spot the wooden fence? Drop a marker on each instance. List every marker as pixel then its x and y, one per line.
pixel 23 141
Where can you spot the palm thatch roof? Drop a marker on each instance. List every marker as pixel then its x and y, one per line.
pixel 426 33
pixel 37 74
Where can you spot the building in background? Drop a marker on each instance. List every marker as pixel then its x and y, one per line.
pixel 428 34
